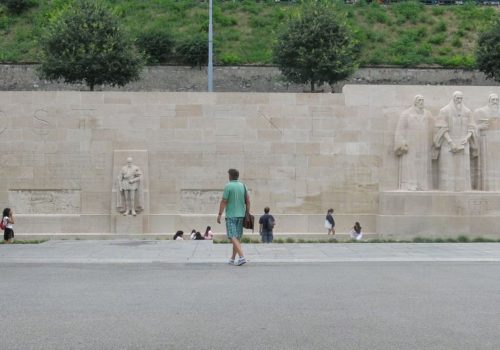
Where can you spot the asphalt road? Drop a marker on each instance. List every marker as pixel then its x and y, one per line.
pixel 347 305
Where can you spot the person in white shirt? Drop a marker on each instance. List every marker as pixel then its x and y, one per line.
pixel 356 233
pixel 178 236
pixel 8 224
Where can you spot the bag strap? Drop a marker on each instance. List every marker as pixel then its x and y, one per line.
pixel 246 206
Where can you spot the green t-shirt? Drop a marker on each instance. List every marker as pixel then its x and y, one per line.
pixel 234 193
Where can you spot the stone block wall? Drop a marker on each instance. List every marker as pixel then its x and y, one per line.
pixel 298 153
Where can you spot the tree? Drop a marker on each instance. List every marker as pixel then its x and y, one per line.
pixel 488 52
pixel 316 47
pixel 85 44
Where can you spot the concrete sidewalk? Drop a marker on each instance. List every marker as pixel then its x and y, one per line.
pixel 157 251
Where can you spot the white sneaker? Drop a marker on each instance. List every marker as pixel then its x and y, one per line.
pixel 231 262
pixel 241 261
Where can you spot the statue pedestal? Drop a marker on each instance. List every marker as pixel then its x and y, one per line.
pixel 130 224
pixel 406 214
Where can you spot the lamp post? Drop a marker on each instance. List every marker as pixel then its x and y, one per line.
pixel 210 68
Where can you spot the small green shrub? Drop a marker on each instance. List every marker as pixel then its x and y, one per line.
pixel 157 44
pixel 229 59
pixel 483 240
pixel 424 50
pixel 422 240
pixel 440 26
pixel 376 14
pixel 251 7
pixel 465 61
pixel 18 6
pixel 260 21
pixel 437 11
pixel 437 39
pixel 225 21
pixel 456 42
pixel 463 239
pixel 408 9
pixel 279 240
pixel 193 51
pixel 290 240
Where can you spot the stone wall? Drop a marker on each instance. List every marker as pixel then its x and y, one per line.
pixel 242 79
pixel 298 153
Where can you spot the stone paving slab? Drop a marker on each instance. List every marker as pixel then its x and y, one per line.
pixel 156 251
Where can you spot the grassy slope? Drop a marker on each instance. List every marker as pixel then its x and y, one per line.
pixel 405 34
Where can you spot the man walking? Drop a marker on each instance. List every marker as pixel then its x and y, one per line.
pixel 236 202
pixel 266 227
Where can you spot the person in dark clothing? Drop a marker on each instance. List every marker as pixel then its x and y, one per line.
pixel 198 236
pixel 329 222
pixel 266 227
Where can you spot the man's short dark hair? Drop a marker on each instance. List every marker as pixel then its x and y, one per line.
pixel 233 174
pixel 266 210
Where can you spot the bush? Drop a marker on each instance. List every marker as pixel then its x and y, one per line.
pixel 157 44
pixel 407 10
pixel 194 51
pixel 17 6
pixel 456 42
pixel 488 52
pixel 437 39
pixel 440 27
pixel 230 59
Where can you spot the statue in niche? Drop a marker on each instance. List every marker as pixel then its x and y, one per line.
pixel 130 195
pixel 412 144
pixel 487 119
pixel 455 141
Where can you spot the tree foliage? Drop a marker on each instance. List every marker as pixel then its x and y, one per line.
pixel 157 44
pixel 488 52
pixel 194 51
pixel 317 46
pixel 85 44
pixel 17 6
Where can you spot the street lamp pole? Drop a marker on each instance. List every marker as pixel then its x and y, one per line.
pixel 210 49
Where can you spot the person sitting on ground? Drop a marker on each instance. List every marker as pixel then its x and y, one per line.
pixel 178 236
pixel 193 234
pixel 198 236
pixel 208 233
pixel 356 232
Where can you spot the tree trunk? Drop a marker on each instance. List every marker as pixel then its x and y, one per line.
pixel 312 85
pixel 91 87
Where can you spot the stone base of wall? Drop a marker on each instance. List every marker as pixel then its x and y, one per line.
pixel 438 214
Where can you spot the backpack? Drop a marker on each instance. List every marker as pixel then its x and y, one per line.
pixel 270 223
pixel 3 225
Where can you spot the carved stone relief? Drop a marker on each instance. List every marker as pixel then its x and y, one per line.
pixel 45 201
pixel 199 201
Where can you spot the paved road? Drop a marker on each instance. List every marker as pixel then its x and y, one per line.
pixel 343 305
pixel 182 295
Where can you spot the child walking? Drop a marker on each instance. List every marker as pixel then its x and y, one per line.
pixel 329 222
